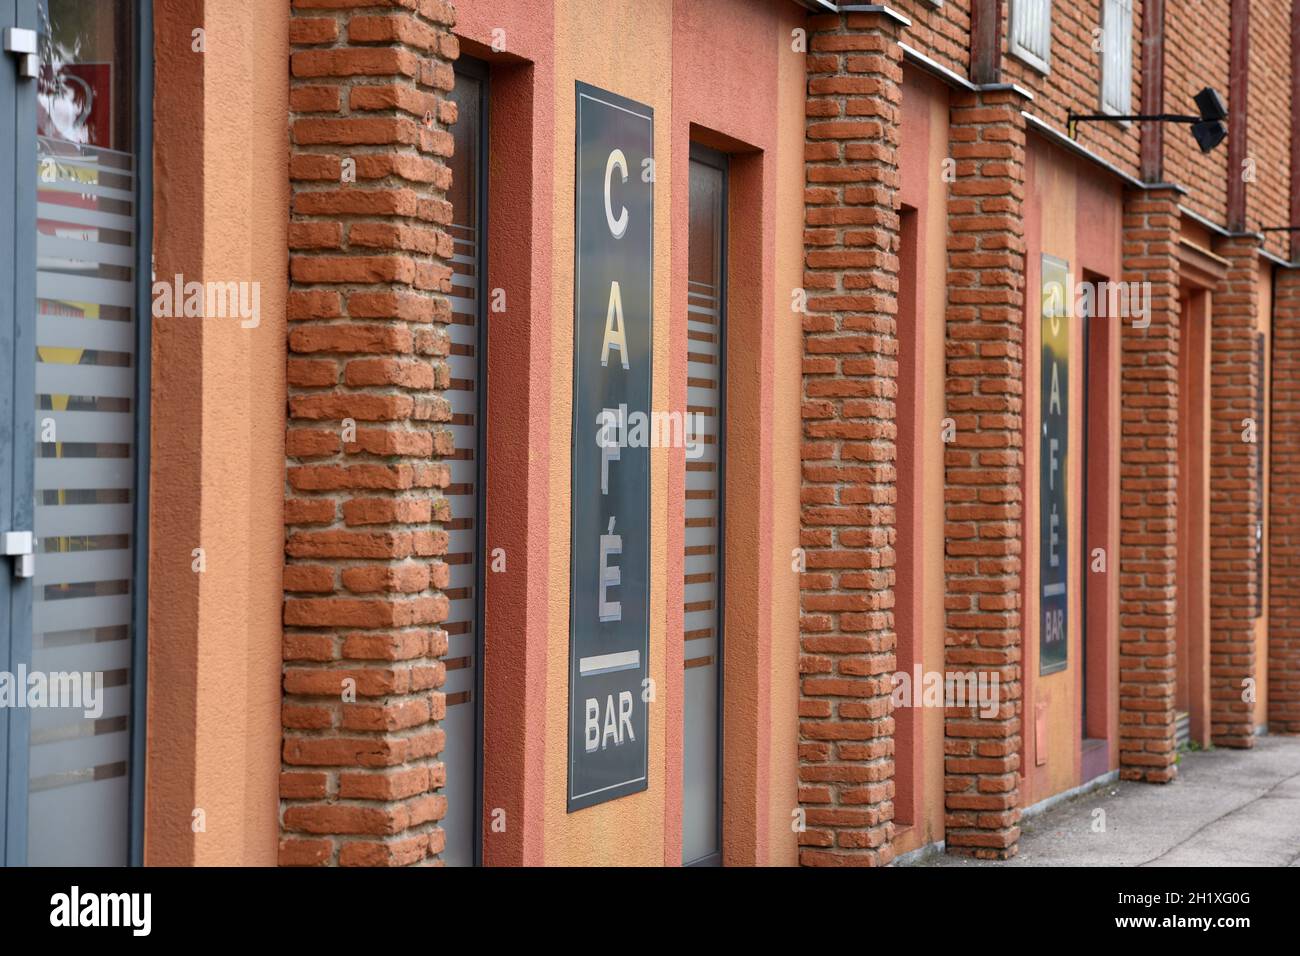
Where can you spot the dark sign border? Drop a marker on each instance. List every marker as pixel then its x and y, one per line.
pixel 641 783
pixel 1052 660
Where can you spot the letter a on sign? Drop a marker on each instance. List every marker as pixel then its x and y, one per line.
pixel 615 336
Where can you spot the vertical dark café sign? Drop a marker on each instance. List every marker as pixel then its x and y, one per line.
pixel 609 624
pixel 1054 403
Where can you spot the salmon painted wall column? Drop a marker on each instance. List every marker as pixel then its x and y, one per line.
pixel 1148 491
pixel 177 463
pixel 624 46
pixel 732 60
pixel 1284 467
pixel 983 493
pixel 217 404
pixel 847 524
pixel 518 503
pixel 1236 390
pixel 1073 213
pixel 787 379
pixel 1284 510
pixel 918 605
pixel 363 576
pixel 1264 272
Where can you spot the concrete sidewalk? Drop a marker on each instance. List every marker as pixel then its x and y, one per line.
pixel 1226 808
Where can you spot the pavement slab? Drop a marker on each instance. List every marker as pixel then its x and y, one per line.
pixel 1225 808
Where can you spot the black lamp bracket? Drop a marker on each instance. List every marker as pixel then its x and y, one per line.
pixel 1074 118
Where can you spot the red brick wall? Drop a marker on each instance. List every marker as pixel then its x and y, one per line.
pixel 1234 494
pixel 1074 82
pixel 847 516
pixel 1196 56
pixel 1284 511
pixel 362 572
pixel 983 515
pixel 1269 134
pixel 1197 41
pixel 942 33
pixel 1148 492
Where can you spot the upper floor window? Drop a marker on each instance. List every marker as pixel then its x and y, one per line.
pixel 1116 56
pixel 1031 33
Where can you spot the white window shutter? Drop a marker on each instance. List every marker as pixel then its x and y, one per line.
pixel 1116 56
pixel 1031 33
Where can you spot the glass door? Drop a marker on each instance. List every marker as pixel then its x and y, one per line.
pixel 463 723
pixel 17 366
pixel 72 435
pixel 706 313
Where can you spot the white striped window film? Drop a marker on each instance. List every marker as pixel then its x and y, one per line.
pixel 703 558
pixel 1117 56
pixel 1031 32
pixel 86 404
pixel 460 754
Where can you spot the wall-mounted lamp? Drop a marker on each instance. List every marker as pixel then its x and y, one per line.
pixel 1207 125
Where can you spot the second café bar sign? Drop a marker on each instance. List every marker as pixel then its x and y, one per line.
pixel 609 623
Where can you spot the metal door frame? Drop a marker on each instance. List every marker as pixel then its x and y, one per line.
pixel 144 67
pixel 721 162
pixel 480 71
pixel 17 446
pixel 17 420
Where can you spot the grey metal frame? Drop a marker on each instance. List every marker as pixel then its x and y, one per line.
pixel 21 412
pixel 17 453
pixel 143 402
pixel 721 162
pixel 580 89
pixel 480 71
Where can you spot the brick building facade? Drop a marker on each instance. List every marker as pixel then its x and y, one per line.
pixel 986 490
pixel 1181 226
pixel 1181 624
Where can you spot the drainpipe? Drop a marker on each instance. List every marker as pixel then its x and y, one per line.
pixel 986 42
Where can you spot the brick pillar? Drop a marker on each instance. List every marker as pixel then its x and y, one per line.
pixel 1284 510
pixel 983 508
pixel 367 345
pixel 1149 492
pixel 847 520
pixel 1235 390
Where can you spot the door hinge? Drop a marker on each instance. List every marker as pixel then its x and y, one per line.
pixel 20 545
pixel 22 44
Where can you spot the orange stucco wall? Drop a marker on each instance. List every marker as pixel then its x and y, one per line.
pixel 217 469
pixel 1264 317
pixel 711 72
pixel 627 48
pixel 787 432
pixel 1192 662
pixel 1074 214
pixel 727 66
pixel 923 148
pixel 518 605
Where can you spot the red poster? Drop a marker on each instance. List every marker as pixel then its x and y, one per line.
pixel 78 108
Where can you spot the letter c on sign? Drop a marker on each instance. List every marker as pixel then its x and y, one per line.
pixel 616 226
